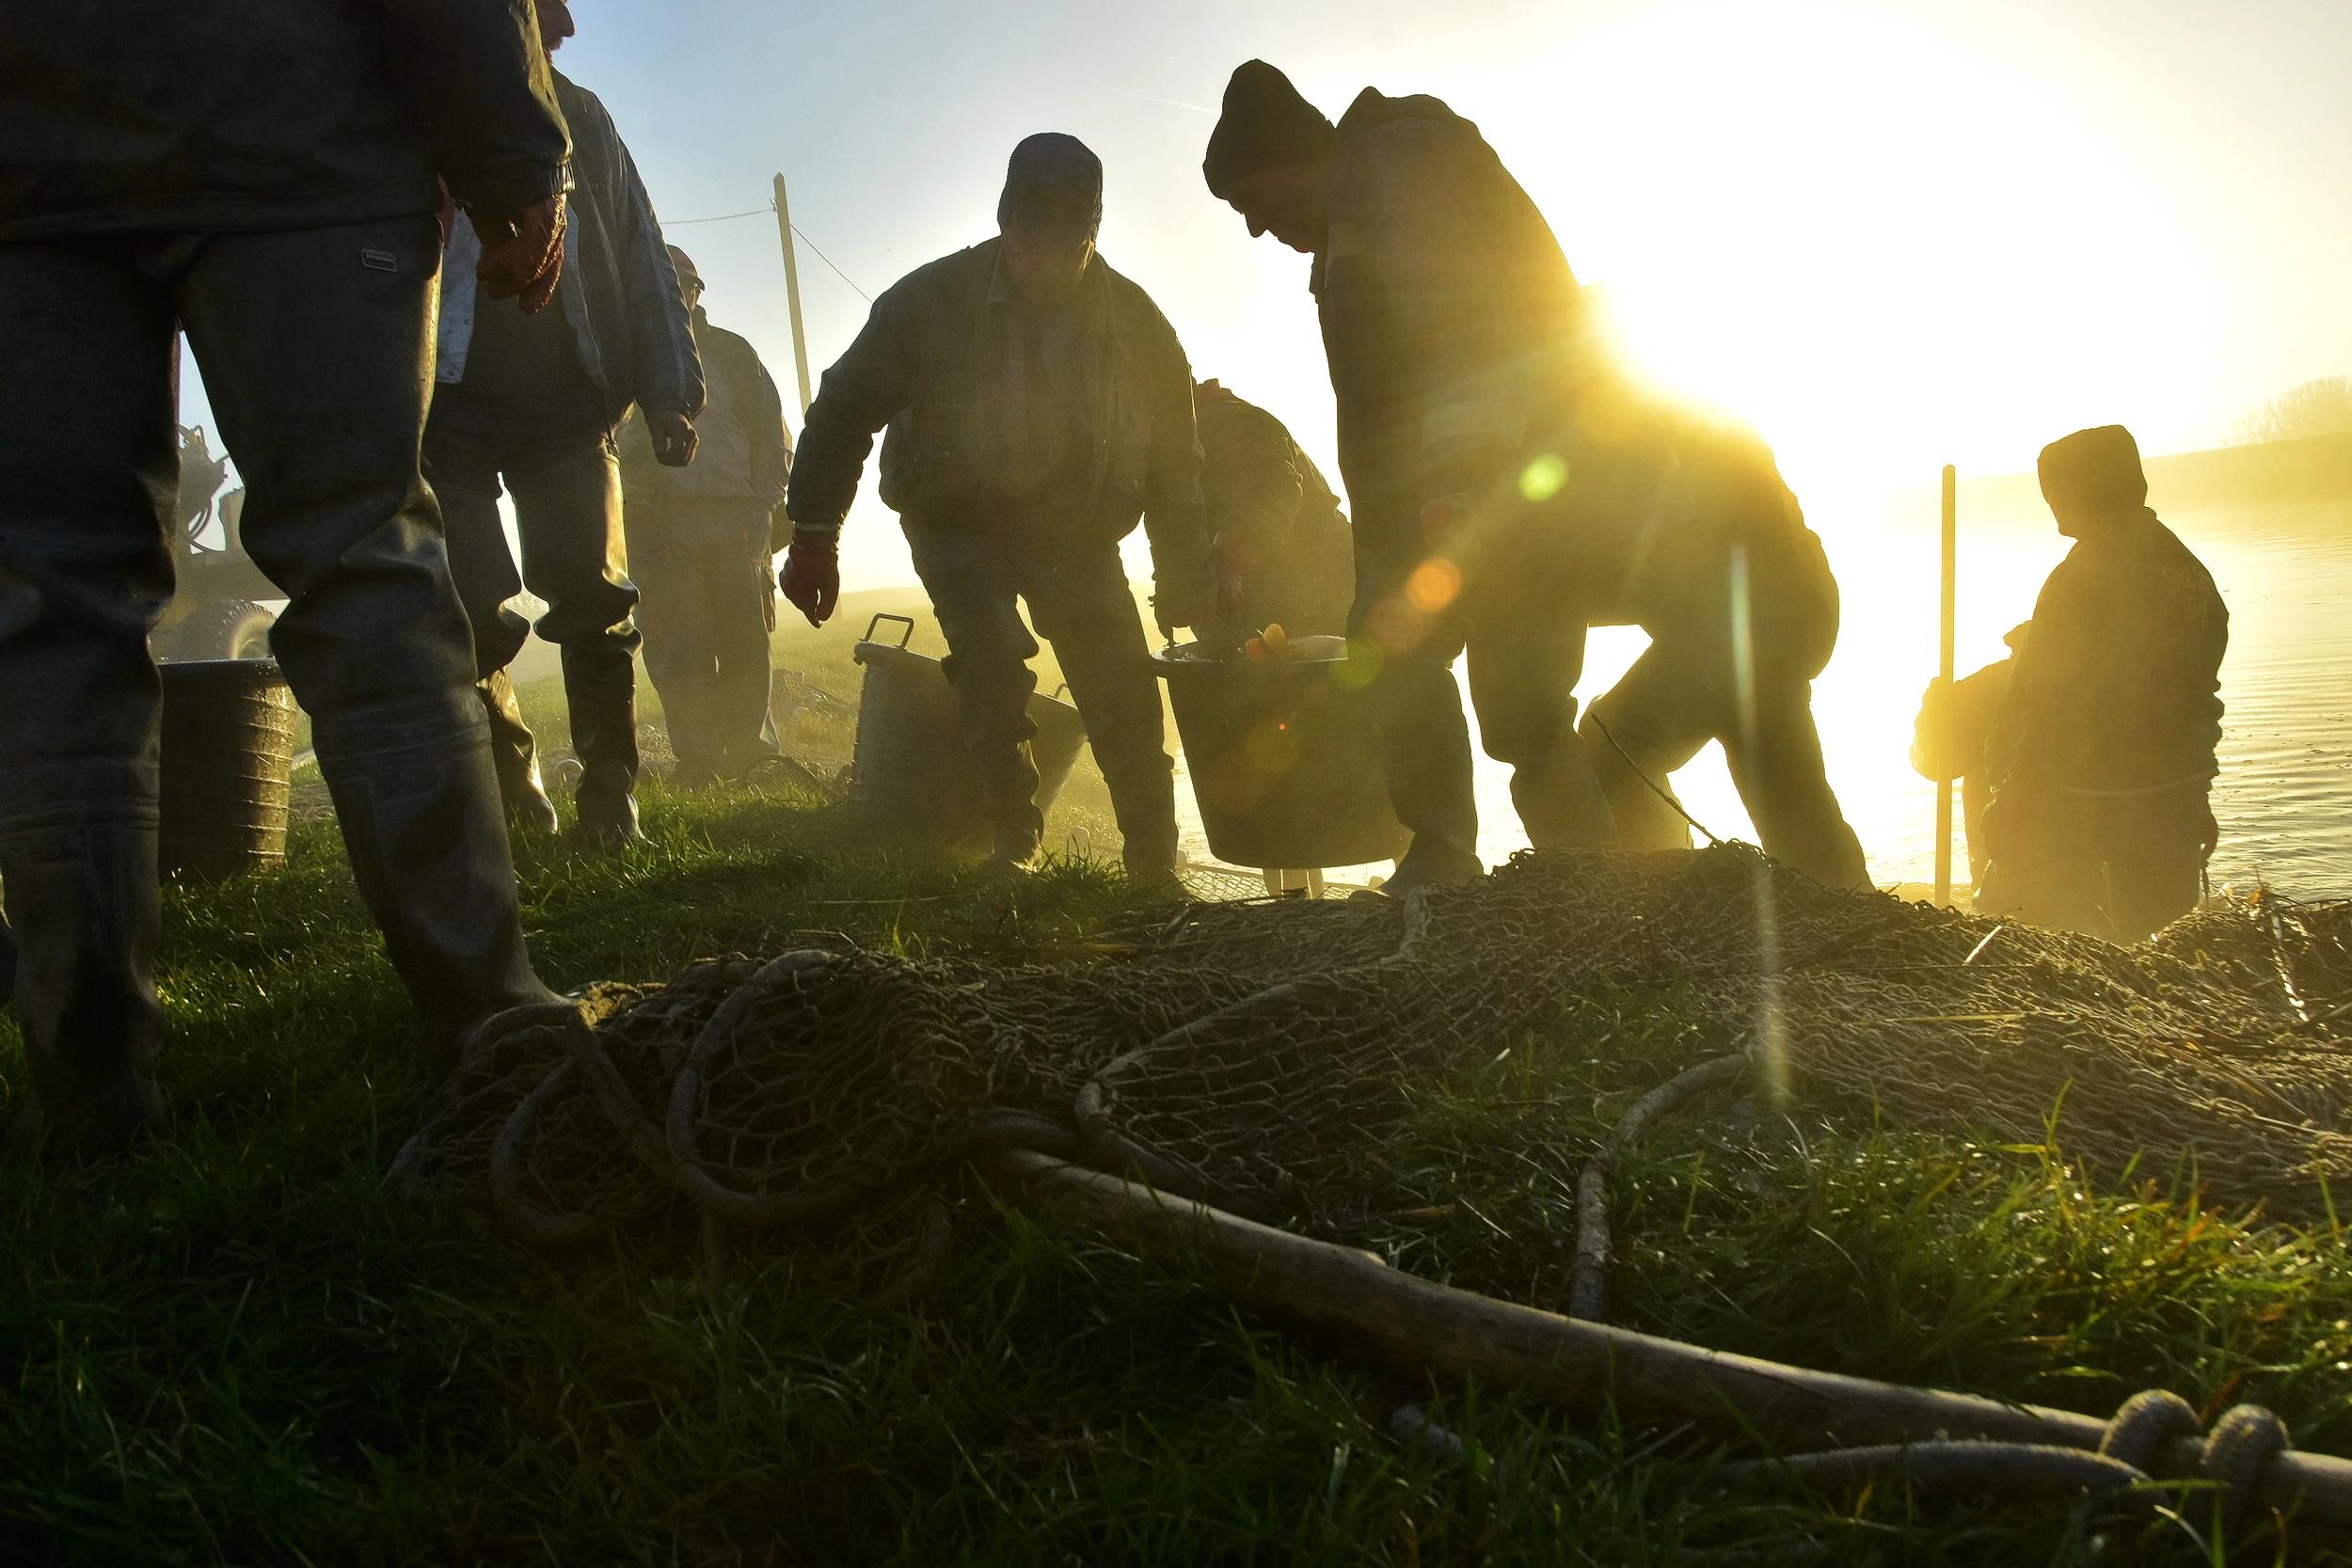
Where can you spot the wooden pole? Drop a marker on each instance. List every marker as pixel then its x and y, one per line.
pixel 1944 667
pixel 793 294
pixel 1427 1327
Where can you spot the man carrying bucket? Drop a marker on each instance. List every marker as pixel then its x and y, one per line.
pixel 1037 405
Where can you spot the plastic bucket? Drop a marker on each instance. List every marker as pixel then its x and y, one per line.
pixel 910 761
pixel 228 767
pixel 1284 757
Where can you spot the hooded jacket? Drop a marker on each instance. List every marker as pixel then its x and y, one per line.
pixel 157 117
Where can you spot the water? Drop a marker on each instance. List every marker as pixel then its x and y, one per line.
pixel 2286 752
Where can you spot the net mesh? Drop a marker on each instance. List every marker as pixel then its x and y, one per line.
pixel 1263 1053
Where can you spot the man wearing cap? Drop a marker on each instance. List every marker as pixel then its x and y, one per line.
pixel 1281 542
pixel 1037 405
pixel 702 541
pixel 176 176
pixel 2104 755
pixel 534 403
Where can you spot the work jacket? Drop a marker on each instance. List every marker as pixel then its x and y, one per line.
pixel 1451 323
pixel 934 363
pixel 744 452
pixel 1276 527
pixel 619 293
pixel 157 117
pixel 2117 690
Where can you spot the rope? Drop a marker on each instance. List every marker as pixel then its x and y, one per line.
pixel 1655 787
pixel 1588 1278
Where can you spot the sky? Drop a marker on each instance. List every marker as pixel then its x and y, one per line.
pixel 1892 234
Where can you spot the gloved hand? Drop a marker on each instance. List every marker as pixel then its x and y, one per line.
pixel 811 578
pixel 522 252
pixel 673 439
pixel 1186 600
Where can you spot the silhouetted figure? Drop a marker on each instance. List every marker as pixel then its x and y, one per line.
pixel 702 541
pixel 1280 540
pixel 175 174
pixel 1461 364
pixel 534 401
pixel 1037 405
pixel 2103 758
pixel 200 474
pixel 1952 742
pixel 1741 609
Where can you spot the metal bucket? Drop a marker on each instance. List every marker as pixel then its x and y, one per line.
pixel 909 761
pixel 228 767
pixel 1284 757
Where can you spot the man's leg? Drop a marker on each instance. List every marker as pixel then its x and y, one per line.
pixel 1087 611
pixel 973 592
pixel 1525 660
pixel 316 350
pixel 673 612
pixel 1425 735
pixel 743 615
pixel 1776 762
pixel 567 514
pixel 462 466
pixel 2155 855
pixel 87 474
pixel 1643 731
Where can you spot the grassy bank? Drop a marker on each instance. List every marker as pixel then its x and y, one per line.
pixel 245 1346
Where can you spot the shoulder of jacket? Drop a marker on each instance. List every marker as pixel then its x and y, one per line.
pixel 1131 296
pixel 578 103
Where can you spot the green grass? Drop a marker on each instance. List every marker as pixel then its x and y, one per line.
pixel 244 1346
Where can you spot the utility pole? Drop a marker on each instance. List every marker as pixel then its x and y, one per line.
pixel 793 294
pixel 1945 667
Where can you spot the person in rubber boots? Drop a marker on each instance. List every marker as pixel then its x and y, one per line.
pixel 2103 753
pixel 534 402
pixel 1459 356
pixel 1037 405
pixel 162 171
pixel 702 545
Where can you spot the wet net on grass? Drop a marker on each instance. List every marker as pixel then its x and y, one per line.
pixel 1260 1054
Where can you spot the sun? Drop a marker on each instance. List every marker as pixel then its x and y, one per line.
pixel 1887 251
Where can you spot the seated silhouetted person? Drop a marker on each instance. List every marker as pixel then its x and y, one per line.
pixel 1952 742
pixel 2104 753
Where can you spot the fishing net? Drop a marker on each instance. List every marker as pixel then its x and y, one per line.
pixel 1263 1054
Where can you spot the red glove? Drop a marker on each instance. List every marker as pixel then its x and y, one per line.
pixel 811 578
pixel 522 253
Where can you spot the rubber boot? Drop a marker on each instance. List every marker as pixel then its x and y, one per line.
pixel 88 913
pixel 419 805
pixel 516 755
pixel 600 686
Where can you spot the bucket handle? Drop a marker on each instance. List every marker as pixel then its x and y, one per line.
pixel 1060 691
pixel 906 621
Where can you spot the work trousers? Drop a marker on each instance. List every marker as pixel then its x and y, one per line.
pixel 317 355
pixel 567 519
pixel 1078 596
pixel 709 607
pixel 1733 665
pixel 2118 866
pixel 1516 616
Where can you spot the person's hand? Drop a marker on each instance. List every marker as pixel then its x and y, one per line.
pixel 522 253
pixel 811 578
pixel 1187 599
pixel 673 439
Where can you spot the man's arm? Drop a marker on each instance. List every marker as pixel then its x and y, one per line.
pixel 2048 680
pixel 479 84
pixel 864 390
pixel 762 406
pixel 669 369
